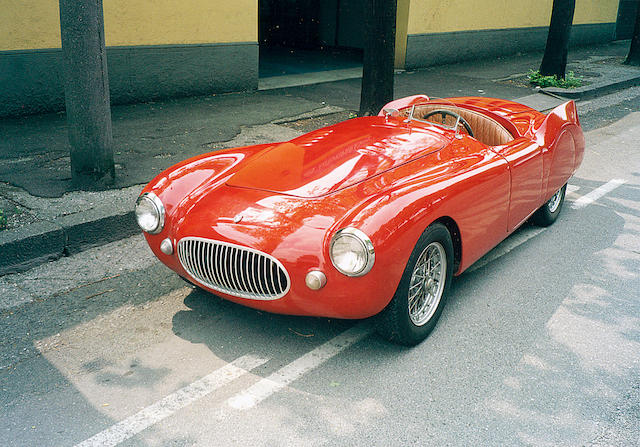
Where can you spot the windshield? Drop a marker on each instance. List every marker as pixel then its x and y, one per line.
pixel 438 111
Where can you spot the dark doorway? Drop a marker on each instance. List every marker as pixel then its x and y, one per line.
pixel 303 36
pixel 627 10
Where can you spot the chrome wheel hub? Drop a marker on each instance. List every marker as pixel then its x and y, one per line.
pixel 554 201
pixel 427 283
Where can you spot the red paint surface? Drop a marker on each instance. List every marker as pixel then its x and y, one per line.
pixel 387 177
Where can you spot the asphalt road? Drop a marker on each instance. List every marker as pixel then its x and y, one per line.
pixel 538 345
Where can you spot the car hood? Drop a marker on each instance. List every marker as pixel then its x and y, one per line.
pixel 335 157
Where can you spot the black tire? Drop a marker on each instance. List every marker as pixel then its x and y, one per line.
pixel 395 322
pixel 549 212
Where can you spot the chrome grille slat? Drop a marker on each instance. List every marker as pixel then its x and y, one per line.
pixel 267 268
pixel 251 274
pixel 191 257
pixel 210 258
pixel 228 268
pixel 214 261
pixel 273 284
pixel 223 268
pixel 261 277
pixel 198 258
pixel 244 270
pixel 279 281
pixel 233 269
pixel 236 263
pixel 220 257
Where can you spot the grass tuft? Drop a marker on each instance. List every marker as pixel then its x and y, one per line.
pixel 570 80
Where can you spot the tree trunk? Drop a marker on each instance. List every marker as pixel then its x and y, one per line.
pixel 633 58
pixel 86 88
pixel 379 48
pixel 554 61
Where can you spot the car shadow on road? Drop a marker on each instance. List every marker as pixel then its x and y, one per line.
pixel 231 330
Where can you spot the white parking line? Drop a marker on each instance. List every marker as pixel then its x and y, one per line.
pixel 294 370
pixel 572 189
pixel 264 388
pixel 594 195
pixel 525 234
pixel 165 407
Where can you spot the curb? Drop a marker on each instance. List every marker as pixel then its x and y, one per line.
pixel 597 88
pixel 29 246
pixel 26 247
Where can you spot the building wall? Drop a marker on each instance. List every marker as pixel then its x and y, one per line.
pixel 440 32
pixel 164 48
pixel 154 49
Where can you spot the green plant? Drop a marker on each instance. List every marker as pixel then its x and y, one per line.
pixel 3 220
pixel 569 81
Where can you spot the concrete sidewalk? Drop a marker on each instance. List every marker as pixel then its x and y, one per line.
pixel 46 219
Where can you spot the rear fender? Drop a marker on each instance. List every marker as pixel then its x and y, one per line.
pixel 563 115
pixel 562 140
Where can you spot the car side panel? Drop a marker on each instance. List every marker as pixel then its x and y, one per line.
pixel 526 169
pixel 479 205
pixel 472 189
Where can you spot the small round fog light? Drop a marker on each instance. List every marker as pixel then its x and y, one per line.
pixel 315 280
pixel 166 247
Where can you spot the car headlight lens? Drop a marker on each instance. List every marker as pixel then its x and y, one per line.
pixel 150 213
pixel 352 252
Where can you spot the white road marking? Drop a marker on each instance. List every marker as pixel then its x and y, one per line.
pixel 572 193
pixel 572 189
pixel 266 387
pixel 594 195
pixel 524 235
pixel 506 246
pixel 284 376
pixel 165 407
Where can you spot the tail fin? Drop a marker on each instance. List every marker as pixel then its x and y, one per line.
pixel 555 121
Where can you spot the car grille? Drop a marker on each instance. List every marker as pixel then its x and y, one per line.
pixel 233 269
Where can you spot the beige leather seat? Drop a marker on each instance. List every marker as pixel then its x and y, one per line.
pixel 485 129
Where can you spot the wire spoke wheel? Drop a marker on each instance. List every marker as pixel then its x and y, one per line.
pixel 427 283
pixel 421 295
pixel 554 201
pixel 549 212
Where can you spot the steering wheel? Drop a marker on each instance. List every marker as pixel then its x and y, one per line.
pixel 444 113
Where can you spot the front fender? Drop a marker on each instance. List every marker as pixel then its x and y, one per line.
pixel 198 175
pixel 471 189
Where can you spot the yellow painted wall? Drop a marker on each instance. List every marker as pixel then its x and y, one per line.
pixel 158 22
pixel 433 16
pixel 26 24
pixel 596 11
pixel 402 17
pixel 29 24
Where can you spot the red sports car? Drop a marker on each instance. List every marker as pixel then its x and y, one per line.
pixel 370 216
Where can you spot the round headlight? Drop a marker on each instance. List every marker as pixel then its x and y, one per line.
pixel 150 213
pixel 352 252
